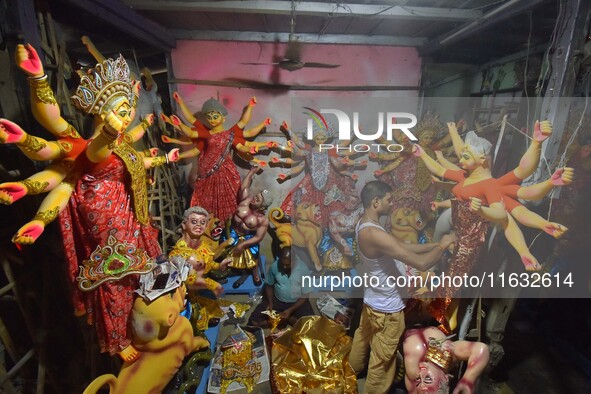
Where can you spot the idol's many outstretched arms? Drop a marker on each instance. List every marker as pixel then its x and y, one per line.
pixel 255 147
pixel 38 183
pixel 177 124
pixel 444 162
pixel 184 109
pixel 434 167
pixel 295 171
pixel 561 177
pixel 171 157
pixel 137 133
pixel 297 142
pixel 50 208
pixel 530 159
pixel 43 103
pixel 457 141
pixel 35 148
pixel 245 119
pixel 169 140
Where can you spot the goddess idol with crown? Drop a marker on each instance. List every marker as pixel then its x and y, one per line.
pixel 329 177
pixel 57 177
pixel 328 185
pixel 107 236
pixel 410 178
pixel 217 182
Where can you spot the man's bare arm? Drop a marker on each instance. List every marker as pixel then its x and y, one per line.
pixel 421 248
pixel 377 241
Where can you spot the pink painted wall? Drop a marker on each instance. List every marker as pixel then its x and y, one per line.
pixel 359 66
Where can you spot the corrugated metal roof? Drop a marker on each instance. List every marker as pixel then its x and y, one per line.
pixel 447 31
pixel 423 23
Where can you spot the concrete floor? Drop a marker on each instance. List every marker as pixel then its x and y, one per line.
pixel 547 348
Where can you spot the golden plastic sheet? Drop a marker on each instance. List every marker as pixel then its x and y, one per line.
pixel 211 306
pixel 313 357
pixel 241 309
pixel 274 319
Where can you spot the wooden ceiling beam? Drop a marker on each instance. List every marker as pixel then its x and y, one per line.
pixel 491 18
pixel 255 36
pixel 382 11
pixel 128 21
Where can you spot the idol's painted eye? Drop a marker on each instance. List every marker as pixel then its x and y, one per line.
pixel 213 116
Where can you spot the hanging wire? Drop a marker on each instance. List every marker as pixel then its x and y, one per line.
pixel 488 5
pixel 527 64
pixel 495 123
pixel 520 131
pixel 557 32
pixel 562 161
pixel 292 21
pixel 551 48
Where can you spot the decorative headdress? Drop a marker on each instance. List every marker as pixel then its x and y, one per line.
pixel 317 123
pixel 439 355
pixel 478 144
pixel 320 128
pixel 112 262
pixel 106 82
pixel 429 122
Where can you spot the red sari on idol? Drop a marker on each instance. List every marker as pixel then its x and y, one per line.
pixel 105 211
pixel 322 185
pixel 471 230
pixel 218 182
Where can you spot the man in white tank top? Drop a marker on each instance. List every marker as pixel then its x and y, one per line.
pixel 382 317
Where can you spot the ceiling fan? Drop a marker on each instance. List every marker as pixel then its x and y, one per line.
pixel 291 61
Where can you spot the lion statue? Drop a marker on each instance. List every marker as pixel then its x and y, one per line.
pixel 307 232
pixel 282 227
pixel 163 338
pixel 211 237
pixel 406 224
